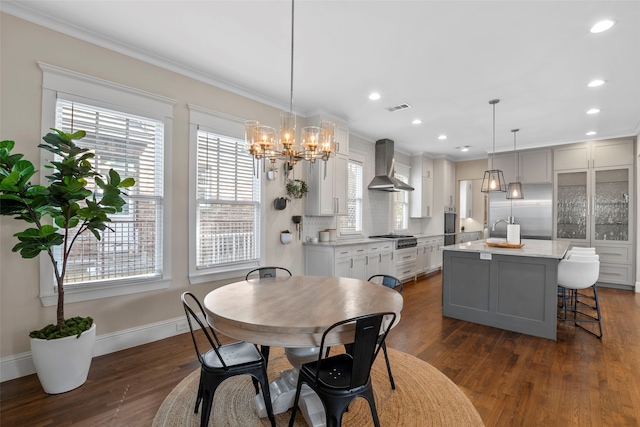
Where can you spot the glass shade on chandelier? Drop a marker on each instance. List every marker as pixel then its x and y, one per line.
pixel 493 181
pixel 318 142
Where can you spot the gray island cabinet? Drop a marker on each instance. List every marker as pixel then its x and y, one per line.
pixel 507 288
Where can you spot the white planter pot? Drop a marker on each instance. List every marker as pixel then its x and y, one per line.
pixel 285 238
pixel 63 364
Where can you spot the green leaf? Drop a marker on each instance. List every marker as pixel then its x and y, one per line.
pixel 7 144
pixel 78 135
pixel 127 182
pixel 114 177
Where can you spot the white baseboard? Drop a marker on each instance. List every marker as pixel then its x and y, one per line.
pixel 20 365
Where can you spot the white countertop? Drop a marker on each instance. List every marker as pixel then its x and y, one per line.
pixel 532 248
pixel 363 240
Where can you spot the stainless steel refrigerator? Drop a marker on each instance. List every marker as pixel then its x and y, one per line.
pixel 534 213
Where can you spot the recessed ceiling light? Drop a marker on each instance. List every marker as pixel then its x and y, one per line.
pixel 596 83
pixel 463 148
pixel 602 26
pixel 374 96
pixel 593 111
pixel 591 133
pixel 442 137
pixel 416 121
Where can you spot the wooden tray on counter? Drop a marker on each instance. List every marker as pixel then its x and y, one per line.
pixel 505 245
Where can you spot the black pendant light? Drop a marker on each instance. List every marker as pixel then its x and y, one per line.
pixel 493 181
pixel 515 188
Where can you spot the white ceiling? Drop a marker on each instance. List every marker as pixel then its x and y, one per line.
pixel 446 59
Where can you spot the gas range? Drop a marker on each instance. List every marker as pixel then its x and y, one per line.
pixel 402 241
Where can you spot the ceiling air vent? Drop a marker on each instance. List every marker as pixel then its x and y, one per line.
pixel 398 107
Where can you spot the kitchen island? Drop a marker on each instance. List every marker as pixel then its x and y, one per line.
pixel 508 288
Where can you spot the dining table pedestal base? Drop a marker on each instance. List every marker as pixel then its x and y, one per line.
pixel 283 390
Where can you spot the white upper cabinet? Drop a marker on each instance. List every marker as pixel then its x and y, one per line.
pixel 421 199
pixel 328 194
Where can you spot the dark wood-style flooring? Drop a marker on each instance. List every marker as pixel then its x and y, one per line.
pixel 512 379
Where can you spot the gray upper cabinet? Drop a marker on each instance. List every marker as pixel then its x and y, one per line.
pixel 574 156
pixel 535 166
pixel 612 153
pixel 605 153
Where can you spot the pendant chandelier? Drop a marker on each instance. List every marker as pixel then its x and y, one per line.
pixel 515 188
pixel 493 181
pixel 264 144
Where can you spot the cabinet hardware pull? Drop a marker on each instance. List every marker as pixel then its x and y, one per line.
pixel 367 260
pixel 351 262
pixel 380 258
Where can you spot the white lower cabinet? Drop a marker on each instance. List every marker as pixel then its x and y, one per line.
pixel 380 258
pixel 338 261
pixel 405 263
pixel 423 253
pixel 429 254
pixel 436 259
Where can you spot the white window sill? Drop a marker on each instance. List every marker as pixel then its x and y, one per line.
pixel 89 293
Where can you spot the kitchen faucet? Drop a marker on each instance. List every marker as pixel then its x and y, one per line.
pixel 510 220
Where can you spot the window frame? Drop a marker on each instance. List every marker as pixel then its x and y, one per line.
pixel 359 160
pixel 223 124
pixel 101 93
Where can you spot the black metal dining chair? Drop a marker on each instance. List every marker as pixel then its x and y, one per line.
pixel 393 283
pixel 339 379
pixel 267 272
pixel 222 362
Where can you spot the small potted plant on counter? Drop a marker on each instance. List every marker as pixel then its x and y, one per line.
pixel 56 215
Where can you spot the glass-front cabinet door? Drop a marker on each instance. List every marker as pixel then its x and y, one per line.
pixel 611 205
pixel 572 205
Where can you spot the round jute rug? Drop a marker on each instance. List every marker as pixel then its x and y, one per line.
pixel 423 397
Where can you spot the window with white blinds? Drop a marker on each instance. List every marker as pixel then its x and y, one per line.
pixel 134 147
pixel 352 222
pixel 227 203
pixel 401 206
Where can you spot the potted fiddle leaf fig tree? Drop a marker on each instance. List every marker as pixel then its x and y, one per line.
pixel 57 214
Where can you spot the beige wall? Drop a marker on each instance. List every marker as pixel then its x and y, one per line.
pixel 471 170
pixel 22 45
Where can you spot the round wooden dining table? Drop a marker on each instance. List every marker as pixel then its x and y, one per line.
pixel 293 312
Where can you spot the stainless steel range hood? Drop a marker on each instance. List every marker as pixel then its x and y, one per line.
pixel 385 169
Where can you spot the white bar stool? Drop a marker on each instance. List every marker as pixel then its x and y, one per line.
pixel 579 272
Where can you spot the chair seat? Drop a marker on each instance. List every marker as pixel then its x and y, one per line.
pixel 239 353
pixel 336 374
